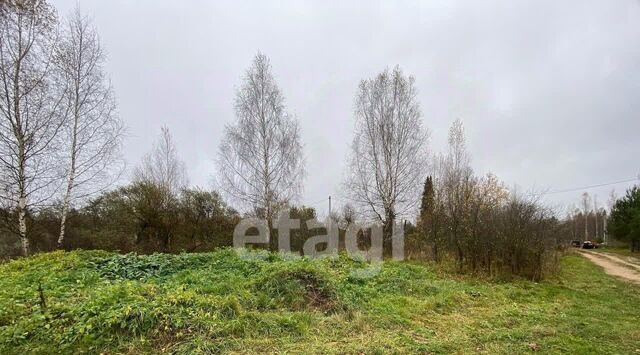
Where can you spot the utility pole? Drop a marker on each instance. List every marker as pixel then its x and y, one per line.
pixel 329 206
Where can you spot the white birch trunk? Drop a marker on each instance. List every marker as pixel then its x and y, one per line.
pixel 65 210
pixel 22 225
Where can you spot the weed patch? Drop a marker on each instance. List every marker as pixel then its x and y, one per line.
pixel 138 267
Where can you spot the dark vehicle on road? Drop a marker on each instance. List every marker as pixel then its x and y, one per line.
pixel 588 245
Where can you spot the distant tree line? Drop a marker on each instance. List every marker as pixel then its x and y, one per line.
pixel 61 166
pixel 616 225
pixel 157 211
pixel 588 221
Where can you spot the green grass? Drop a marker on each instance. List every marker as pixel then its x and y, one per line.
pixel 622 251
pixel 223 302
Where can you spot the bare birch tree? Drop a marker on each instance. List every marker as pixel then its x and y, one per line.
pixel 260 159
pixel 388 159
pixel 162 166
pixel 586 203
pixel 457 184
pixel 610 203
pixel 30 118
pixel 93 131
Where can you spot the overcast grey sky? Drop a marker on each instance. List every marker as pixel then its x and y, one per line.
pixel 549 91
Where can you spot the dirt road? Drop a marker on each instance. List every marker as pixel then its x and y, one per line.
pixel 614 265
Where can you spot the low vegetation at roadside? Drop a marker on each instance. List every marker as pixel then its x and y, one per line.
pixel 215 302
pixel 622 251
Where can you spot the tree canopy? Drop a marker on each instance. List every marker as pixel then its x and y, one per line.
pixel 624 223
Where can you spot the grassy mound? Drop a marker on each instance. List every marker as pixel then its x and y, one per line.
pixel 87 301
pixel 299 288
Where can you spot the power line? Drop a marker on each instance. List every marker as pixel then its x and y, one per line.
pixel 316 203
pixel 583 187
